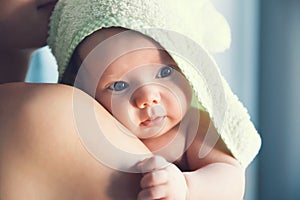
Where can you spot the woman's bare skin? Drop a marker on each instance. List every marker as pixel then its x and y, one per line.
pixel 42 156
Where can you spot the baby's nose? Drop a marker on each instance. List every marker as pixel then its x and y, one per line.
pixel 145 96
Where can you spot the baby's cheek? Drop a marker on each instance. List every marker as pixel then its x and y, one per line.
pixel 105 100
pixel 121 108
pixel 177 102
pixel 127 117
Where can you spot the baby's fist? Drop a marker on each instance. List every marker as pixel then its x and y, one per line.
pixel 162 180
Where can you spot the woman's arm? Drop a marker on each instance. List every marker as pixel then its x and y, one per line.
pixel 42 156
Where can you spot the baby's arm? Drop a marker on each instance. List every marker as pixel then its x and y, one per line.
pixel 216 175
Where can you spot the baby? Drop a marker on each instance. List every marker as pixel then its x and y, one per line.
pixel 106 48
pixel 145 90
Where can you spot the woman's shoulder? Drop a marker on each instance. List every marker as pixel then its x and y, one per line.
pixel 22 94
pixel 36 98
pixel 39 142
pixel 30 109
pixel 36 113
pixel 25 101
pixel 10 91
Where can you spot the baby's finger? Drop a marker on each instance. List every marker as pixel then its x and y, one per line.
pixel 154 178
pixel 158 192
pixel 153 163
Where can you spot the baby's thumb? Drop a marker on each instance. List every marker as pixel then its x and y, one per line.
pixel 151 164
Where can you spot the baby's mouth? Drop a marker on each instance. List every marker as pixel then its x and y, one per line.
pixel 152 121
pixel 156 115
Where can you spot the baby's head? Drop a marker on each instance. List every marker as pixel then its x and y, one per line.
pixel 133 77
pixel 83 30
pixel 187 32
pixel 118 52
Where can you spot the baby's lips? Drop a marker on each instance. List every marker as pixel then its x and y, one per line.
pixel 152 121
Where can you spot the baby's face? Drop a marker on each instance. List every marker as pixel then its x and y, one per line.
pixel 141 85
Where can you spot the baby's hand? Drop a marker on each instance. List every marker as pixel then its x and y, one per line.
pixel 161 180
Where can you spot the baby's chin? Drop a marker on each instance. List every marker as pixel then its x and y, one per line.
pixel 149 134
pixel 153 133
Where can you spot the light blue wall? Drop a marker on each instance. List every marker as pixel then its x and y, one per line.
pixel 279 175
pixel 240 66
pixel 263 68
pixel 43 68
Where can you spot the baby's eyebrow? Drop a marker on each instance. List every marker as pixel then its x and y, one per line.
pixel 111 75
pixel 106 78
pixel 108 74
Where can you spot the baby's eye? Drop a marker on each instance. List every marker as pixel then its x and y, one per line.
pixel 164 72
pixel 118 86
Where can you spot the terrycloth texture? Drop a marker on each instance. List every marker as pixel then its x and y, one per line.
pixel 167 22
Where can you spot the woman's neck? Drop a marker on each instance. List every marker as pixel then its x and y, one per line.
pixel 14 64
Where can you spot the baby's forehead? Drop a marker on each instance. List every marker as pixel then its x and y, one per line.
pixel 131 40
pixel 116 39
pixel 108 44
